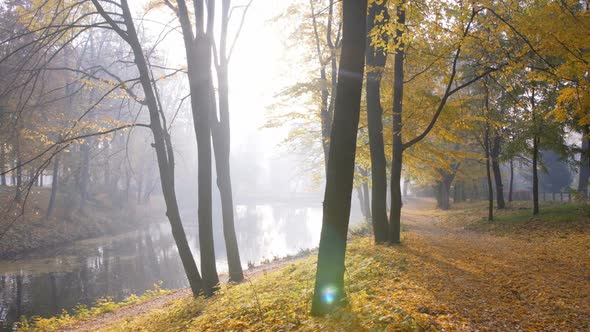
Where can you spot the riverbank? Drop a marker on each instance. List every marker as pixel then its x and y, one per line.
pixel 452 272
pixel 69 222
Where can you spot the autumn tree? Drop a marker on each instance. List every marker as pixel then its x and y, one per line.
pixel 329 286
pixel 377 21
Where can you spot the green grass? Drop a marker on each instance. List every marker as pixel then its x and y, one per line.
pixel 549 213
pixel 520 218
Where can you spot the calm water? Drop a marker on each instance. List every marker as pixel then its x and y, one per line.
pixel 46 282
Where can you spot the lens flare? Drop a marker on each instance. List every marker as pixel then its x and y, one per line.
pixel 329 295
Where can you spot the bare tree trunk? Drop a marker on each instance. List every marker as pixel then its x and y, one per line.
pixel 398 146
pixel 486 146
pixel 488 174
pixel 535 157
pixel 361 198
pixel 162 145
pixel 535 175
pixel 107 168
pixel 495 155
pixel 584 173
pixel 367 199
pixel 19 169
pixel 84 173
pixel 198 53
pixel 329 285
pixel 139 179
pixel 510 190
pixel 221 144
pixel 54 187
pixel 443 201
pixel 406 187
pixel 2 164
pixel 376 60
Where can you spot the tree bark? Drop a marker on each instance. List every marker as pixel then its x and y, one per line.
pixel 329 285
pixel 367 199
pixel 398 146
pixel 198 53
pixel 221 146
pixel 511 188
pixel 54 187
pixel 584 173
pixel 84 173
pixel 495 156
pixel 361 198
pixel 19 169
pixel 488 174
pixel 486 146
pixel 162 145
pixel 2 164
pixel 535 157
pixel 444 195
pixel 376 60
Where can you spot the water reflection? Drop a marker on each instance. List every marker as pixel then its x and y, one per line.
pixel 44 283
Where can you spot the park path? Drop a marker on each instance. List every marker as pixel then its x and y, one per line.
pixel 536 282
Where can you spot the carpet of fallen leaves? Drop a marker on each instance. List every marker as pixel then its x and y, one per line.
pixel 445 276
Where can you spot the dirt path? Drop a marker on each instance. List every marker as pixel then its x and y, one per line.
pixel 161 302
pixel 541 282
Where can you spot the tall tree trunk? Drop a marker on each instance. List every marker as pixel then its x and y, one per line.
pixel 584 173
pixel 107 168
pixel 54 187
pixel 198 54
pixel 140 180
pixel 444 195
pixel 406 187
pixel 84 172
pixel 222 153
pixel 495 156
pixel 487 148
pixel 162 145
pixel 2 164
pixel 535 157
pixel 201 117
pixel 398 147
pixel 535 175
pixel 511 188
pixel 367 199
pixel 329 285
pixel 488 175
pixel 376 60
pixel 444 187
pixel 19 169
pixel 361 198
pixel 221 144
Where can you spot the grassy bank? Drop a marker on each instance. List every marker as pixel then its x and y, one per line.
pixel 518 219
pixel 442 277
pixel 82 313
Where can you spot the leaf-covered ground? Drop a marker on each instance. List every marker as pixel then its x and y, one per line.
pixel 453 272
